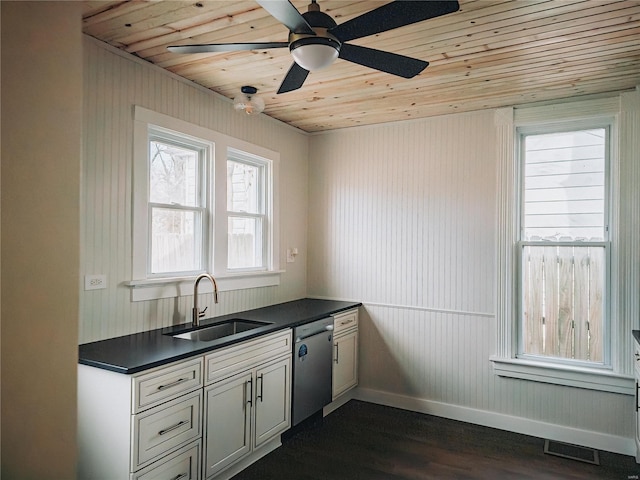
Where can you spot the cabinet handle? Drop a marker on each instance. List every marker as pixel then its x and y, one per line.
pixel 172 384
pixel 182 475
pixel 177 425
pixel 345 322
pixel 249 399
pixel 337 354
pixel 259 396
pixel 244 396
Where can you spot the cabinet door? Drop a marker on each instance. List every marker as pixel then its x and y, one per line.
pixel 227 422
pixel 637 408
pixel 272 400
pixel 345 363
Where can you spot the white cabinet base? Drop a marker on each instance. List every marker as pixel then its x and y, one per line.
pixel 253 457
pixel 636 363
pixel 227 435
pixel 345 362
pixel 117 439
pixel 345 353
pixel 246 409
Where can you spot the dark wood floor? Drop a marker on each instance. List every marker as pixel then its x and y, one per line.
pixel 363 441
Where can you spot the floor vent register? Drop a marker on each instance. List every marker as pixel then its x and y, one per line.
pixel 573 452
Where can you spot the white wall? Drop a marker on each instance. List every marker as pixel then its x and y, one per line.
pixel 402 217
pixel 113 84
pixel 41 143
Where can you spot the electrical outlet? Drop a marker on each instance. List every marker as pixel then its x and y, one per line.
pixel 95 282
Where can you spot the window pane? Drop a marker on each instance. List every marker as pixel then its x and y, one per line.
pixel 564 185
pixel 563 301
pixel 173 174
pixel 245 243
pixel 243 187
pixel 175 246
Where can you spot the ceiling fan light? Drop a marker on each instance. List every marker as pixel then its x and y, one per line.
pixel 314 53
pixel 247 102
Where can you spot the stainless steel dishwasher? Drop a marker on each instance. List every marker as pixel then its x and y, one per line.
pixel 312 363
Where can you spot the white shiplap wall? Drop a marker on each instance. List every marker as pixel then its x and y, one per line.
pixel 403 218
pixel 406 213
pixel 113 84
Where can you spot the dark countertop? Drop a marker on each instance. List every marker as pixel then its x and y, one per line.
pixel 141 351
pixel 636 335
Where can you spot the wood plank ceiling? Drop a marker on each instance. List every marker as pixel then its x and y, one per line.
pixel 488 54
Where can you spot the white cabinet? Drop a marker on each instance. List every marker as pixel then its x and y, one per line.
pixel 636 362
pixel 247 400
pixel 134 426
pixel 272 403
pixel 204 416
pixel 345 367
pixel 345 352
pixel 228 429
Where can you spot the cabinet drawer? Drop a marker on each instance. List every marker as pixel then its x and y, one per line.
pixel 166 383
pixel 181 465
pixel 636 358
pixel 165 427
pixel 345 321
pixel 228 361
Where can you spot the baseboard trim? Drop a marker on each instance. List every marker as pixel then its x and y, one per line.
pixel 338 402
pixel 586 438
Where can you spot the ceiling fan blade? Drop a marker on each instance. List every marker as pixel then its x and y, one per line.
pixel 392 15
pixel 224 47
pixel 392 63
pixel 294 78
pixel 287 14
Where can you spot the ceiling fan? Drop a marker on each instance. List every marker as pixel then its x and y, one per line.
pixel 315 40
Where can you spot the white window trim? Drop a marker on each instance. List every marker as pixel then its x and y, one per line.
pixel 624 310
pixel 143 288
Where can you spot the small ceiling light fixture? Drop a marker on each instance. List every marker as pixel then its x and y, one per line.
pixel 248 102
pixel 315 52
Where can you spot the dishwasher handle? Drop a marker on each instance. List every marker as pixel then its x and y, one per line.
pixel 327 328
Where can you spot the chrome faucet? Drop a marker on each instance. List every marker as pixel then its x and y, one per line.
pixel 196 314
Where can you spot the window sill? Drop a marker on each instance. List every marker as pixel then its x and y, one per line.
pixel 571 376
pixel 157 288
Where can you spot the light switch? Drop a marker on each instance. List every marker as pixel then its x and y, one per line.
pixel 291 254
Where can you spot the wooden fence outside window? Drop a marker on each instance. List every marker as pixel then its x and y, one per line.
pixel 563 292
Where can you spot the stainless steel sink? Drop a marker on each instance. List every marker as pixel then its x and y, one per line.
pixel 221 330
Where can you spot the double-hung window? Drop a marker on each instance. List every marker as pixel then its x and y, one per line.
pixel 177 204
pixel 247 221
pixel 564 243
pixel 202 202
